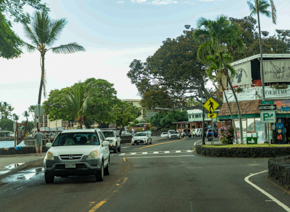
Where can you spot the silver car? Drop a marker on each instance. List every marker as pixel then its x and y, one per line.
pixel 141 137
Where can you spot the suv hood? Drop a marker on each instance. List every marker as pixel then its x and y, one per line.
pixel 69 150
pixel 139 137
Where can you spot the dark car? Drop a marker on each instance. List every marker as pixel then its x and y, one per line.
pixel 209 133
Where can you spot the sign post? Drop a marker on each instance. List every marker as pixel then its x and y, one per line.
pixel 211 105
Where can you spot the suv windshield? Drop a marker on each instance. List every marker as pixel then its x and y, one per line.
pixel 140 134
pixel 108 134
pixel 72 139
pixel 173 132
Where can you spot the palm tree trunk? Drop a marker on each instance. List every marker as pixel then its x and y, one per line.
pixel 236 99
pixel 261 64
pixel 40 88
pixel 233 120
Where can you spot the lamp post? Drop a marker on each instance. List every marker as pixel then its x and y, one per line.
pixel 203 100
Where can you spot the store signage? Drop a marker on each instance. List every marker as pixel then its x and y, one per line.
pixel 252 140
pixel 268 116
pixel 267 102
pixel 267 107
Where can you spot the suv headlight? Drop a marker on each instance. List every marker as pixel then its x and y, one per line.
pixel 49 156
pixel 93 155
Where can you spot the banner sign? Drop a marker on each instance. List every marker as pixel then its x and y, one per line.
pixel 283 106
pixel 276 71
pixel 271 93
pixel 21 129
pixel 246 95
pixel 243 75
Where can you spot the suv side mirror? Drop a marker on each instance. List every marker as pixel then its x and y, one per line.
pixel 48 145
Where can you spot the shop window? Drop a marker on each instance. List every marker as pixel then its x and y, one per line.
pixel 251 125
pixel 259 127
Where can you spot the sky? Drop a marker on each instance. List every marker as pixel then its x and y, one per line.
pixel 114 33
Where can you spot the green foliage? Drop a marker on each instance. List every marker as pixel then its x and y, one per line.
pixel 30 126
pixel 124 113
pixel 6 124
pixel 99 106
pixel 161 119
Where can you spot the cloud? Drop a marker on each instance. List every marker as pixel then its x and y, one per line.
pixel 138 1
pixel 164 2
pixel 120 2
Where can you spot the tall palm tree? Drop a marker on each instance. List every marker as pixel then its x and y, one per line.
pixel 261 6
pixel 43 32
pixel 215 72
pixel 77 101
pixel 26 114
pixel 10 109
pixel 220 34
pixel 15 117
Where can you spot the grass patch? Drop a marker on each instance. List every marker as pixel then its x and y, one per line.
pixel 247 145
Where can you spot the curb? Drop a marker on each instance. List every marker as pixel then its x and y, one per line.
pixel 23 166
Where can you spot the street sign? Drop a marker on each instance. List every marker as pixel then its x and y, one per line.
pixel 268 116
pixel 267 102
pixel 212 115
pixel 267 107
pixel 211 105
pixel 36 110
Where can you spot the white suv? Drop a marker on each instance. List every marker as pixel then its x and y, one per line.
pixel 114 140
pixel 77 152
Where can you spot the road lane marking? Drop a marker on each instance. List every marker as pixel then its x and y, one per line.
pixel 124 159
pixel 166 152
pixel 285 207
pixel 178 151
pixel 144 153
pixel 161 143
pixel 97 206
pixel 155 152
pixel 122 154
pixel 189 150
pixel 177 156
pixel 133 153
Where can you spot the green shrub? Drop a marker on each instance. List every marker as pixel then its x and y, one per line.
pixel 226 135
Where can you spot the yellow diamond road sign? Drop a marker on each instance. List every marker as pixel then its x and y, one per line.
pixel 211 105
pixel 212 115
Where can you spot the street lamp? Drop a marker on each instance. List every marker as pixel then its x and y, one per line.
pixel 203 100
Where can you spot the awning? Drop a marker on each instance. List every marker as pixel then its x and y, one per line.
pixel 249 109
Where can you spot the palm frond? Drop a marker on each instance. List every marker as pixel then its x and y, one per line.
pixel 55 29
pixel 29 47
pixel 41 27
pixel 274 14
pixel 68 49
pixel 252 8
pixel 29 34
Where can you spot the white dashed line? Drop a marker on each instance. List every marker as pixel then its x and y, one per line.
pixel 166 152
pixel 144 153
pixel 155 152
pixel 122 154
pixel 178 151
pixel 133 153
pixel 189 150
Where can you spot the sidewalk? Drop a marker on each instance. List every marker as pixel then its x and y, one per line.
pixel 10 164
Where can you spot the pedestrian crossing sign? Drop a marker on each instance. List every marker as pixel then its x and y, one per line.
pixel 211 105
pixel 212 115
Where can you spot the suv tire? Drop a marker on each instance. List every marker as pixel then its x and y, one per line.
pixel 119 148
pixel 100 174
pixel 116 149
pixel 48 178
pixel 106 170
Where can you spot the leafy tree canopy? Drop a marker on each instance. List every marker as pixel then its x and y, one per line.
pixel 99 108
pixel 171 75
pixel 10 43
pixel 124 113
pixel 162 119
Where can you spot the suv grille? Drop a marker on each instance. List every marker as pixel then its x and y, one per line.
pixel 71 157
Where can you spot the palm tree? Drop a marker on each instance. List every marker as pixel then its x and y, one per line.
pixel 15 117
pixel 26 114
pixel 261 6
pixel 77 102
pixel 219 34
pixel 43 32
pixel 10 109
pixel 215 72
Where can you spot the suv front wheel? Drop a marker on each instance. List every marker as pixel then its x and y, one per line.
pixel 48 178
pixel 100 174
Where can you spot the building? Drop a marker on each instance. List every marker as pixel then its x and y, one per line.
pixel 248 88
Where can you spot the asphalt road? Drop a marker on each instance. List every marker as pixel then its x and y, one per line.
pixel 165 176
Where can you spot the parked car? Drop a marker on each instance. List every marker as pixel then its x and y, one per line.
pixel 164 134
pixel 173 134
pixel 77 152
pixel 114 140
pixel 185 132
pixel 209 133
pixel 141 137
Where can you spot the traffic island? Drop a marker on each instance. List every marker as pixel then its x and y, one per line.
pixel 243 151
pixel 279 171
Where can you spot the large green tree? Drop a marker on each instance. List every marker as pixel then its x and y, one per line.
pixel 43 32
pixel 10 43
pixel 220 34
pixel 124 113
pixel 99 108
pixel 165 119
pixel 172 74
